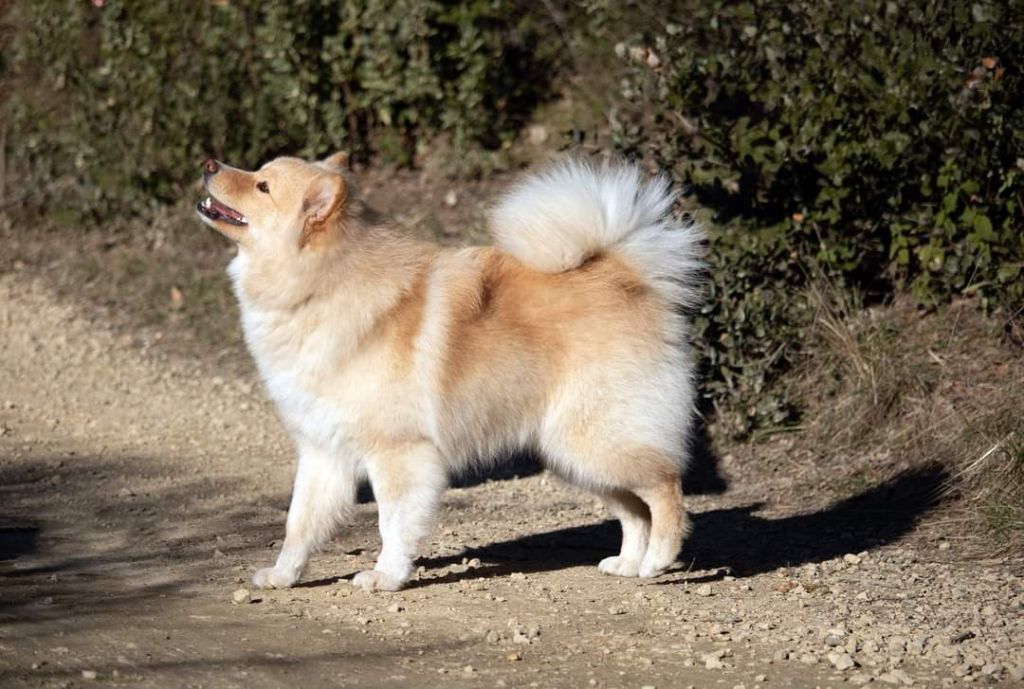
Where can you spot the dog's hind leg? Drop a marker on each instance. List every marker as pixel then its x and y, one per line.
pixel 669 524
pixel 407 484
pixel 635 518
pixel 324 491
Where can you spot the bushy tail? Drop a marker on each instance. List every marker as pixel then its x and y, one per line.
pixel 556 219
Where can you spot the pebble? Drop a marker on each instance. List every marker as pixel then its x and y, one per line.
pixel 89 674
pixel 760 678
pixel 704 590
pixel 841 661
pixel 852 559
pixel 896 677
pixel 395 607
pixel 241 597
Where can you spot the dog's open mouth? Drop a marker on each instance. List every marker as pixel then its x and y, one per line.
pixel 215 210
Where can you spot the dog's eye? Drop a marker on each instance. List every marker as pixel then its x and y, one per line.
pixel 264 187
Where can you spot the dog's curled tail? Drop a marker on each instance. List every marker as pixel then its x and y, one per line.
pixel 557 219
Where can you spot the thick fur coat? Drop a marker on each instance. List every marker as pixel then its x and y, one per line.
pixel 403 363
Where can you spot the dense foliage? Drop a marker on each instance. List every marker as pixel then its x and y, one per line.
pixel 878 143
pixel 128 96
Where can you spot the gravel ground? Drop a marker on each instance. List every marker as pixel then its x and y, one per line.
pixel 139 491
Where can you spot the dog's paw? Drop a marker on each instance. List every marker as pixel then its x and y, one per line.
pixel 273 578
pixel 375 580
pixel 651 568
pixel 618 566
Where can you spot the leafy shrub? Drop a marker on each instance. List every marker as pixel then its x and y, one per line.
pixel 128 97
pixel 876 142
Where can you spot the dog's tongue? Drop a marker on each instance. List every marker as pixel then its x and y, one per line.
pixel 224 210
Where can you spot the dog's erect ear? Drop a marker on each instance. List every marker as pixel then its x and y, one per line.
pixel 337 161
pixel 323 201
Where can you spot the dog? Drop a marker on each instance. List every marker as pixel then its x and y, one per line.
pixel 402 362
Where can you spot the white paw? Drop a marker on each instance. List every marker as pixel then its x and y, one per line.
pixel 375 580
pixel 273 578
pixel 652 568
pixel 618 566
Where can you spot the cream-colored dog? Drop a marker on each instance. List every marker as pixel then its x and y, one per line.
pixel 403 362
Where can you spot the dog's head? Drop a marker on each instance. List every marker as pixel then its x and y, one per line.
pixel 287 203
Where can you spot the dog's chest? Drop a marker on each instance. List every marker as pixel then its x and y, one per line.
pixel 325 389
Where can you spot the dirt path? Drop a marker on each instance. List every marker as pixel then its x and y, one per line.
pixel 137 492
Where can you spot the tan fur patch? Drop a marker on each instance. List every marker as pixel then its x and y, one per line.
pixel 542 314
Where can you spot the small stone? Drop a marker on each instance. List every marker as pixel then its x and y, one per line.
pixel 896 677
pixel 841 661
pixel 647 686
pixel 125 493
pixel 944 545
pixel 760 678
pixel 513 657
pixel 517 576
pixel 469 669
pixel 808 659
pixel 241 597
pixel 852 559
pixel 704 590
pixel 395 607
pixel 451 198
pixel 89 674
pixel 616 611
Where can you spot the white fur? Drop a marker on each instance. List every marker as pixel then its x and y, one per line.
pixel 555 220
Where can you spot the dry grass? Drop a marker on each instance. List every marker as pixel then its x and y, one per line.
pixel 990 483
pixel 890 388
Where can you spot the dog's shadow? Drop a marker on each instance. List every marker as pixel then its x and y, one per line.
pixel 732 541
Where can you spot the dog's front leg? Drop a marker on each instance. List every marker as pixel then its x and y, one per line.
pixel 324 492
pixel 407 484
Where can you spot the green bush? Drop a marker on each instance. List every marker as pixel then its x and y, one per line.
pixel 128 97
pixel 878 143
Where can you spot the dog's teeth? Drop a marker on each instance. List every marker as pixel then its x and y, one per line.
pixel 207 202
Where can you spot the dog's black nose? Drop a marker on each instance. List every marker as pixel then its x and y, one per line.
pixel 210 167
